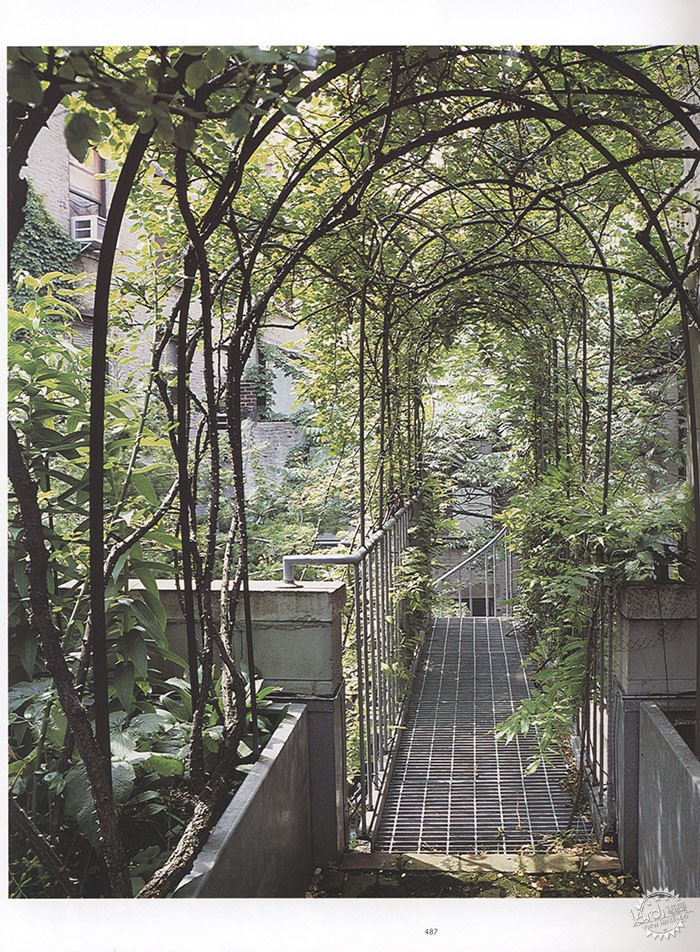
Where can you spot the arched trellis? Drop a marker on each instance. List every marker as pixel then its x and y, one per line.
pixel 486 108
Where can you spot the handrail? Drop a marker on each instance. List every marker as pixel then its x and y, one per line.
pixel 381 650
pixel 472 558
pixel 350 558
pixel 481 584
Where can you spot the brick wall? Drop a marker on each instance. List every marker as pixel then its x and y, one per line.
pixel 249 401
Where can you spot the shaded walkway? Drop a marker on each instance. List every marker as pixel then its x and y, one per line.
pixel 454 789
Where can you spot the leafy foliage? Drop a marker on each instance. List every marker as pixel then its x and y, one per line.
pixel 522 208
pixel 40 248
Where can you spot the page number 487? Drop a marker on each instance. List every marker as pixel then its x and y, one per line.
pixel 431 931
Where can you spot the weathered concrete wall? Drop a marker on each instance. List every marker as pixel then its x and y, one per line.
pixel 297 633
pixel 655 638
pixel 654 660
pixel 327 776
pixel 669 806
pixel 261 846
pixel 626 769
pixel 297 638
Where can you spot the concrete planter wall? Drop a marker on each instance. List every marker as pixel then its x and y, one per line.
pixel 296 628
pixel 654 661
pixel 298 639
pixel 261 847
pixel 669 806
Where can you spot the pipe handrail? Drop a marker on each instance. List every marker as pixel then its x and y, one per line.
pixel 471 558
pixel 350 558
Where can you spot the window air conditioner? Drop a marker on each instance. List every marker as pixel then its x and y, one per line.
pixel 88 229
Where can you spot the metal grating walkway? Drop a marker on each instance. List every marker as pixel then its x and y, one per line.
pixel 454 789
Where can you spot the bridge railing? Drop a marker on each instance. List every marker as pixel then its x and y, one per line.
pixel 594 743
pixel 377 621
pixel 482 584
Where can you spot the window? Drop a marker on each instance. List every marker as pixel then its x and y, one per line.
pixel 87 200
pixel 81 330
pixel 87 191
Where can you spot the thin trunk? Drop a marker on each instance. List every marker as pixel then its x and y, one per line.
pixel 96 766
pixel 236 365
pixel 98 389
pixel 184 482
pixel 363 302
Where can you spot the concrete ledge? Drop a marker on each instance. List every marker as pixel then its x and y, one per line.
pixel 261 846
pixel 669 806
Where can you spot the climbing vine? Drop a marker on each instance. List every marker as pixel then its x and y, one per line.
pixel 41 247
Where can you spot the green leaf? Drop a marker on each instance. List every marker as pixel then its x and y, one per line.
pixel 77 791
pixel 185 135
pixel 134 648
pixel 165 766
pixel 81 130
pixel 238 122
pixel 256 55
pixel 244 750
pixel 150 612
pixel 196 74
pixel 124 683
pixel 27 650
pixel 143 485
pixel 23 84
pixel 216 59
pixel 149 725
pixel 34 54
pixel 123 777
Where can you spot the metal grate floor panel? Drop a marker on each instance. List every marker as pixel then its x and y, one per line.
pixel 454 788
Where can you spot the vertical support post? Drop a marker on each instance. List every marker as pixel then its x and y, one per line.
pixel 361 695
pixel 486 582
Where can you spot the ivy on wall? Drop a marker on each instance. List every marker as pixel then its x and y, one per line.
pixel 40 248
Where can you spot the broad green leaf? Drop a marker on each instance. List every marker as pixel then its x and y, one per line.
pixel 165 766
pixel 123 777
pixel 124 683
pixel 238 122
pixel 23 84
pixel 216 59
pixel 153 723
pixel 81 130
pixel 256 55
pixel 134 648
pixel 150 612
pixel 144 486
pixel 185 134
pixel 196 74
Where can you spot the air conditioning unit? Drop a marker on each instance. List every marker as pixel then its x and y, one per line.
pixel 88 229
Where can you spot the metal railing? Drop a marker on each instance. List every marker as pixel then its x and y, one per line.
pixel 594 744
pixel 482 584
pixel 377 620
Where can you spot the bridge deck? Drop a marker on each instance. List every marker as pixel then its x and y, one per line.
pixel 454 788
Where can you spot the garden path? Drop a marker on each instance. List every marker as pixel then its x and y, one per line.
pixel 454 787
